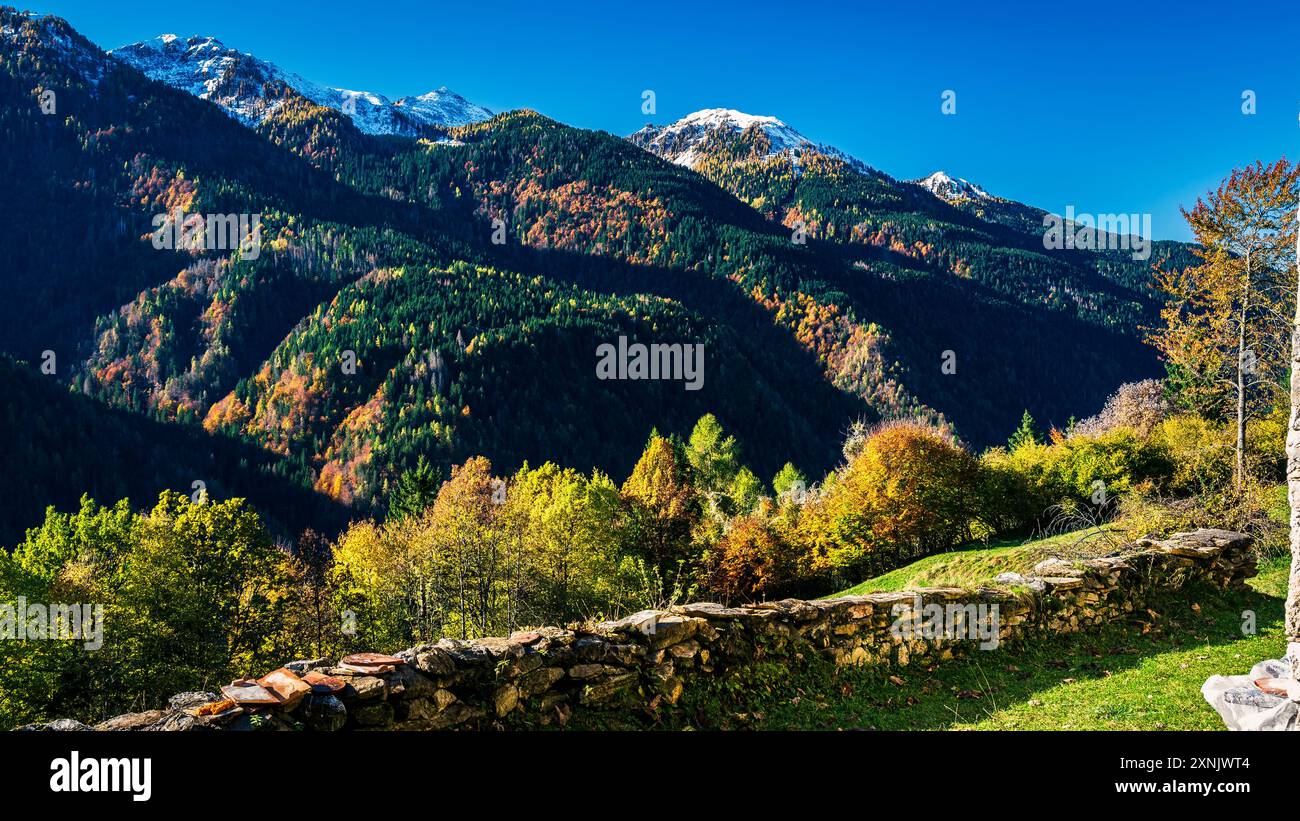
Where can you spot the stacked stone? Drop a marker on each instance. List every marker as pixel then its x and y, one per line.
pixel 649 658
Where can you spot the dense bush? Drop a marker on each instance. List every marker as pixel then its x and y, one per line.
pixel 1021 484
pixel 1266 444
pixel 1200 454
pixel 756 560
pixel 911 490
pixel 1144 513
pixel 1120 458
pixel 192 593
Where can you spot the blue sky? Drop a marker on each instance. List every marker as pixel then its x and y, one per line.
pixel 1103 106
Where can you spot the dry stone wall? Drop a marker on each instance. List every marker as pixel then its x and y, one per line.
pixel 648 659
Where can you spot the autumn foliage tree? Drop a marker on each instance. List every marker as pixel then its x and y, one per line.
pixel 569 529
pixel 1226 333
pixel 1137 405
pixel 664 506
pixel 192 592
pixel 755 560
pixel 467 527
pixel 1293 491
pixel 910 491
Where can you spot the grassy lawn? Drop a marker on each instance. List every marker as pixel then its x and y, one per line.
pixel 1130 676
pixel 1134 675
pixel 978 565
pixel 1160 688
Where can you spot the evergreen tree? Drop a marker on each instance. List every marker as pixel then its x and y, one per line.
pixel 787 478
pixel 1024 435
pixel 415 490
pixel 713 456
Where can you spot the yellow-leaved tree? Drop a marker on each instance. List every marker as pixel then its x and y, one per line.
pixel 1227 321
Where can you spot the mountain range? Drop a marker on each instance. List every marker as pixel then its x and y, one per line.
pixel 435 280
pixel 252 90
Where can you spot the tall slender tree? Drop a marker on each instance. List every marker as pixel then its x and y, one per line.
pixel 1226 320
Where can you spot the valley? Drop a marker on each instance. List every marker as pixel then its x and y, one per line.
pixel 588 400
pixel 371 219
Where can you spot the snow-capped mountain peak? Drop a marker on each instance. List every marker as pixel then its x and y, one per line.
pixel 782 136
pixel 443 107
pixel 682 142
pixel 249 88
pixel 952 188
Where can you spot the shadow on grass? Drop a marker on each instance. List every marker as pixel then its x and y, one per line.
pixel 1137 665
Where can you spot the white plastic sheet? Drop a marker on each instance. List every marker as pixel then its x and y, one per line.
pixel 1243 706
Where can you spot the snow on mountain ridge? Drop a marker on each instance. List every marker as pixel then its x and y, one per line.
pixel 680 142
pixel 244 86
pixel 442 106
pixel 952 188
pixel 63 39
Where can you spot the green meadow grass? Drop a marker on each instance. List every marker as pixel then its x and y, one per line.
pixel 1138 675
pixel 976 565
pixel 1143 673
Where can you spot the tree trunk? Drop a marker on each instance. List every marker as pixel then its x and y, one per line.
pixel 1240 470
pixel 1293 494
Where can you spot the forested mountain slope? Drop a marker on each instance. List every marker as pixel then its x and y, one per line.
pixel 446 297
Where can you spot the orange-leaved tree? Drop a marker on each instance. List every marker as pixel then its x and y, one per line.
pixel 755 560
pixel 1226 334
pixel 911 490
